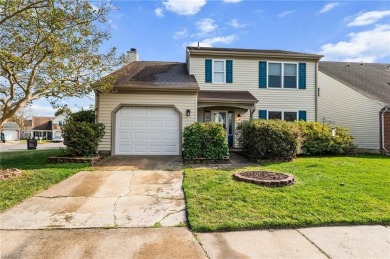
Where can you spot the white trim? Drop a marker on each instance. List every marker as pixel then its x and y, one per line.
pixel 282 74
pixel 283 111
pixel 224 71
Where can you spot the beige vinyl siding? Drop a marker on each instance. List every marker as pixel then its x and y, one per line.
pixel 107 103
pixel 246 78
pixel 351 109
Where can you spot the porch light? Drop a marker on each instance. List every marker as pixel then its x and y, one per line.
pixel 188 112
pixel 239 117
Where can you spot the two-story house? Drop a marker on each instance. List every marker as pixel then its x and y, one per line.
pixel 152 102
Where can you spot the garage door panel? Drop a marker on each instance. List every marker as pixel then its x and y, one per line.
pixel 156 123
pixel 125 136
pixel 147 130
pixel 156 136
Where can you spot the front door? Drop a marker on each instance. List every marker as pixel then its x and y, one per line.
pixel 226 119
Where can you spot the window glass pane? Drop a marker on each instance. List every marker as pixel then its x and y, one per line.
pixel 230 122
pixel 274 81
pixel 275 69
pixel 290 116
pixel 219 77
pixel 218 66
pixel 290 82
pixel 290 69
pixel 274 115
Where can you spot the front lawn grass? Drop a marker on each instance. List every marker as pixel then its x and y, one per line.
pixel 36 176
pixel 328 191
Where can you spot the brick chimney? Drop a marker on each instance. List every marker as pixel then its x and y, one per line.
pixel 132 56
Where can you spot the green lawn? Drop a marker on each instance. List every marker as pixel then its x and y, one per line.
pixel 328 191
pixel 37 174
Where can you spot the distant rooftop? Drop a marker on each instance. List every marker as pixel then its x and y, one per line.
pixel 11 125
pixel 255 51
pixel 369 79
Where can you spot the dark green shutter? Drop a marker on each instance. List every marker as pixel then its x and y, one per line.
pixel 208 71
pixel 263 114
pixel 229 71
pixel 262 74
pixel 302 75
pixel 302 116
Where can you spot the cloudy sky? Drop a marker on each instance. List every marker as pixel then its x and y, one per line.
pixel 160 30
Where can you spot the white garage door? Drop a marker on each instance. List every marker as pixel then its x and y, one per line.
pixel 147 131
pixel 10 135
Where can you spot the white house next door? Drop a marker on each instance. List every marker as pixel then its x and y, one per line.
pixel 147 131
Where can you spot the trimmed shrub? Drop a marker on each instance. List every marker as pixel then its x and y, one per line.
pixel 82 138
pixel 205 140
pixel 317 139
pixel 83 116
pixel 81 134
pixel 269 140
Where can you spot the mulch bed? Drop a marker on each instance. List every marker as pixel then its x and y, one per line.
pixel 265 178
pixel 9 173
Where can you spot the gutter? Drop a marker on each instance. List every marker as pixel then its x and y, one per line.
pixel 383 127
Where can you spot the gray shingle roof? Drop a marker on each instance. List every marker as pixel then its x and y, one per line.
pixel 153 74
pixel 369 79
pixel 257 51
pixel 11 125
pixel 238 96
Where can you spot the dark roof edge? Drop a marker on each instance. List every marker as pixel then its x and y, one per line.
pixel 249 53
pixel 129 89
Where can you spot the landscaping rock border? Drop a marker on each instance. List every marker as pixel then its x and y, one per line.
pixel 6 174
pixel 279 181
pixel 67 159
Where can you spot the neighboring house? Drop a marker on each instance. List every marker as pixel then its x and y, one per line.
pixel 357 96
pixel 47 127
pixel 11 131
pixel 152 102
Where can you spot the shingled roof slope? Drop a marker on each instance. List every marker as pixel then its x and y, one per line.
pixel 154 74
pixel 42 123
pixel 240 96
pixel 259 51
pixel 369 79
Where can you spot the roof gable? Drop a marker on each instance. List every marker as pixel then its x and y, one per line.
pixel 369 79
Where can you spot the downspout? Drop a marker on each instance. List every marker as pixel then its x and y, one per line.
pixel 383 127
pixel 316 92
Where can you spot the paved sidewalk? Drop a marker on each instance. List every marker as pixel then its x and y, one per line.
pixel 321 242
pixel 17 146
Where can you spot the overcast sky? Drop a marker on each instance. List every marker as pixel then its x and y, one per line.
pixel 160 30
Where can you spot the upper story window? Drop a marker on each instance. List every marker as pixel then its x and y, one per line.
pixel 282 75
pixel 219 71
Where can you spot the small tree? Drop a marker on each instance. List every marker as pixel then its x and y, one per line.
pixel 81 134
pixel 51 49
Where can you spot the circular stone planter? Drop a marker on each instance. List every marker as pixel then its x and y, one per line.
pixel 265 178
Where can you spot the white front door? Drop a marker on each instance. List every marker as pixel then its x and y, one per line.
pixel 147 131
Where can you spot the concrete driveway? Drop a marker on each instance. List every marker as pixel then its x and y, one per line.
pixel 104 199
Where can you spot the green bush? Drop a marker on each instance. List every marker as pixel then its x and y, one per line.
pixel 82 138
pixel 317 139
pixel 270 140
pixel 83 116
pixel 205 140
